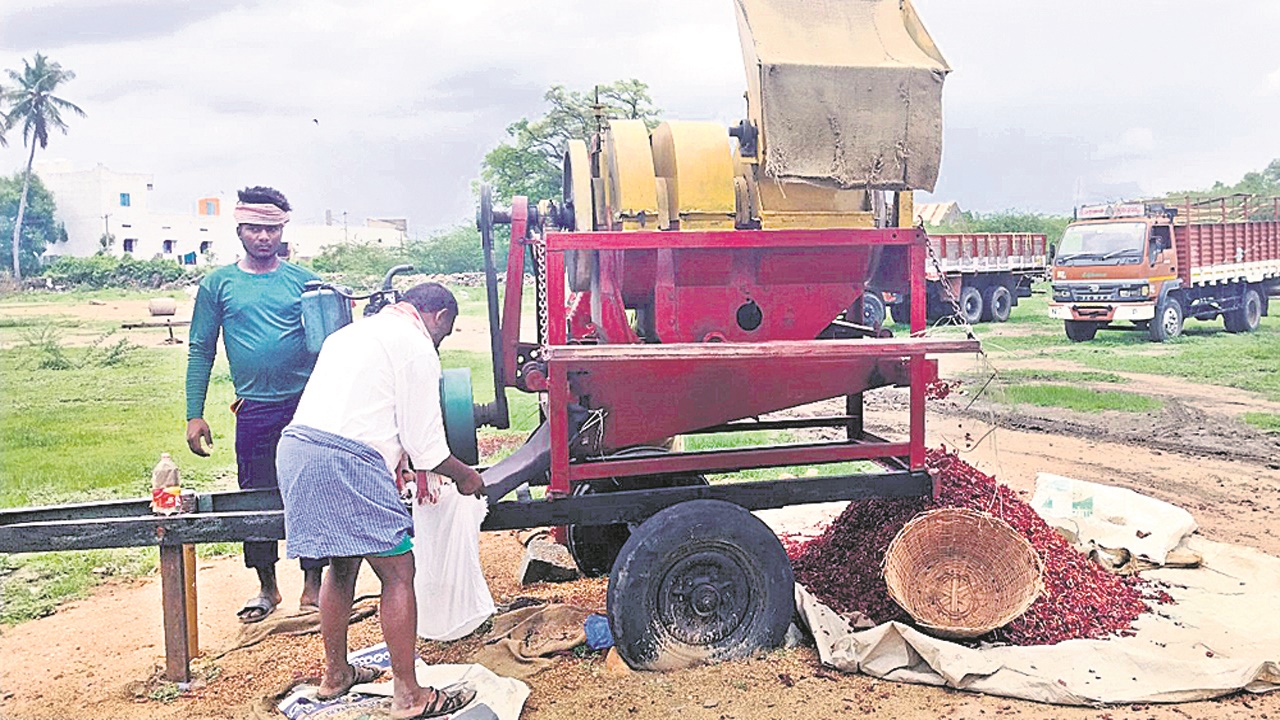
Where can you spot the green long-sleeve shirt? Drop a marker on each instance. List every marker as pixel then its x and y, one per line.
pixel 260 318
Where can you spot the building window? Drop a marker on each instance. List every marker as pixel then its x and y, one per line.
pixel 150 186
pixel 125 225
pixel 168 247
pixel 130 244
pixel 124 199
pixel 206 246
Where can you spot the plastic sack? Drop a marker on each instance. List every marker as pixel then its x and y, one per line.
pixel 453 597
pixel 599 635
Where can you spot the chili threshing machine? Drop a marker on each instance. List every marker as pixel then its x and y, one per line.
pixel 693 280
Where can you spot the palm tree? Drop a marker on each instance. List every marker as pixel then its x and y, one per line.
pixel 33 105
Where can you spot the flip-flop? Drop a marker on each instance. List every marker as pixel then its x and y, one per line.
pixel 360 674
pixel 446 701
pixel 256 609
pixel 308 609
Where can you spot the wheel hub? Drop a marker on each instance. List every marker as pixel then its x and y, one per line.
pixel 704 597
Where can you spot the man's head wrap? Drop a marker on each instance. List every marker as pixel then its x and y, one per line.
pixel 260 214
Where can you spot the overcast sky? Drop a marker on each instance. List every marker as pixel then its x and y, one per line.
pixel 1049 103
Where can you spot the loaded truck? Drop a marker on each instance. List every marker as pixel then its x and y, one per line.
pixel 1149 266
pixel 983 274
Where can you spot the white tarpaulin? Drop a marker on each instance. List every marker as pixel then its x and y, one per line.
pixel 1217 638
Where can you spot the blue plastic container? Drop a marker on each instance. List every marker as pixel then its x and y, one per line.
pixel 324 311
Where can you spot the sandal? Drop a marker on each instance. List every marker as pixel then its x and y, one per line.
pixel 360 674
pixel 256 609
pixel 445 701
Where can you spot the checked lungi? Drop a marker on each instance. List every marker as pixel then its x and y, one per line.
pixel 340 500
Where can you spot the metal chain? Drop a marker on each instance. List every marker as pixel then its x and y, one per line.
pixel 957 314
pixel 540 290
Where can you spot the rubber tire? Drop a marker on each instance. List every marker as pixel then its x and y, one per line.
pixel 595 548
pixel 1248 317
pixel 971 305
pixel 715 552
pixel 1167 324
pixel 997 303
pixel 1080 330
pixel 873 310
pixel 900 312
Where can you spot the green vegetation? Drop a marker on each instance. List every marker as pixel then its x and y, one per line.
pixel 750 438
pixel 1076 398
pixel 107 271
pixel 40 227
pixel 531 163
pixel 1008 221
pixel 1266 422
pixel 456 250
pixel 33 586
pixel 1063 376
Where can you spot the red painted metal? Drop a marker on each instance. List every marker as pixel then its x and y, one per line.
pixel 712 461
pixel 515 288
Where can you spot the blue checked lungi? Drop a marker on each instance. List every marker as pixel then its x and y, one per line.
pixel 340 499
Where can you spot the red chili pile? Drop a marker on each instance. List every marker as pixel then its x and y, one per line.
pixel 1080 600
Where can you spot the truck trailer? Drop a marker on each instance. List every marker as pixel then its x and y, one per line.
pixel 977 276
pixel 1149 266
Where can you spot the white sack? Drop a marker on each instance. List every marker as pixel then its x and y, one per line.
pixel 453 597
pixel 1111 517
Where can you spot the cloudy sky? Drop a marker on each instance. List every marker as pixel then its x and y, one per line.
pixel 1048 103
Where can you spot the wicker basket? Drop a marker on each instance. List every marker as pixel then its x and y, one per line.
pixel 962 573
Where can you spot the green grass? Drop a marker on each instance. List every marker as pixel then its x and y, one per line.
pixel 33 586
pixel 1266 422
pixel 1075 398
pixel 1064 376
pixel 752 438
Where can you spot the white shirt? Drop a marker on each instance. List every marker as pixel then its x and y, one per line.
pixel 378 381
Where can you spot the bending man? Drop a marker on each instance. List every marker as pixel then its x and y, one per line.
pixel 373 398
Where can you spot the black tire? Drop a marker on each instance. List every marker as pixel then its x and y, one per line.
pixel 901 311
pixel 697 583
pixel 595 547
pixel 1167 324
pixel 1248 317
pixel 997 303
pixel 873 311
pixel 1080 330
pixel 971 305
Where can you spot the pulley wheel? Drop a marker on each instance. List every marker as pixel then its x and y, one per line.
pixel 458 408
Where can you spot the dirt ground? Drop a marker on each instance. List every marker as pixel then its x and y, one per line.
pixel 99 657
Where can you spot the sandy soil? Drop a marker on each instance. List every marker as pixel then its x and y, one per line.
pixel 98 657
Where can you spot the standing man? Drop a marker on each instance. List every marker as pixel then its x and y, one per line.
pixel 256 304
pixel 373 400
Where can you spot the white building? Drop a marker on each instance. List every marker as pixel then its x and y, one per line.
pixel 97 201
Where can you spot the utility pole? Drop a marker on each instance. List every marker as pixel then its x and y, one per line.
pixel 344 226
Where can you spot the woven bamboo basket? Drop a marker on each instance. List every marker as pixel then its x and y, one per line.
pixel 962 573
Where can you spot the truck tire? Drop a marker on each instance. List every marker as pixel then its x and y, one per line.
pixel 1248 317
pixel 997 303
pixel 873 312
pixel 901 312
pixel 697 583
pixel 1080 330
pixel 971 305
pixel 1167 323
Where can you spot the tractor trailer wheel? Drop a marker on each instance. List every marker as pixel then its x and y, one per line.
pixel 997 303
pixel 971 305
pixel 873 311
pixel 1080 330
pixel 1249 315
pixel 1167 323
pixel 699 582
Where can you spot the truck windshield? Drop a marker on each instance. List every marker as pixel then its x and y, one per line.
pixel 1107 242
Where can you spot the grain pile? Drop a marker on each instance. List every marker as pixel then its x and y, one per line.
pixel 1081 600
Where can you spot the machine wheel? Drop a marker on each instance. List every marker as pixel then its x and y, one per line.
pixel 699 582
pixel 997 303
pixel 873 311
pixel 1167 323
pixel 971 306
pixel 1080 330
pixel 901 311
pixel 1248 317
pixel 595 547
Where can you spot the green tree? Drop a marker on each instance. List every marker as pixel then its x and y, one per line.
pixel 1008 221
pixel 32 104
pixel 531 162
pixel 40 228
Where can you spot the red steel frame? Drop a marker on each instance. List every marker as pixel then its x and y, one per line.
pixel 563 473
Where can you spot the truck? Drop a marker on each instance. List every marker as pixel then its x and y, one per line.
pixel 977 277
pixel 1150 265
